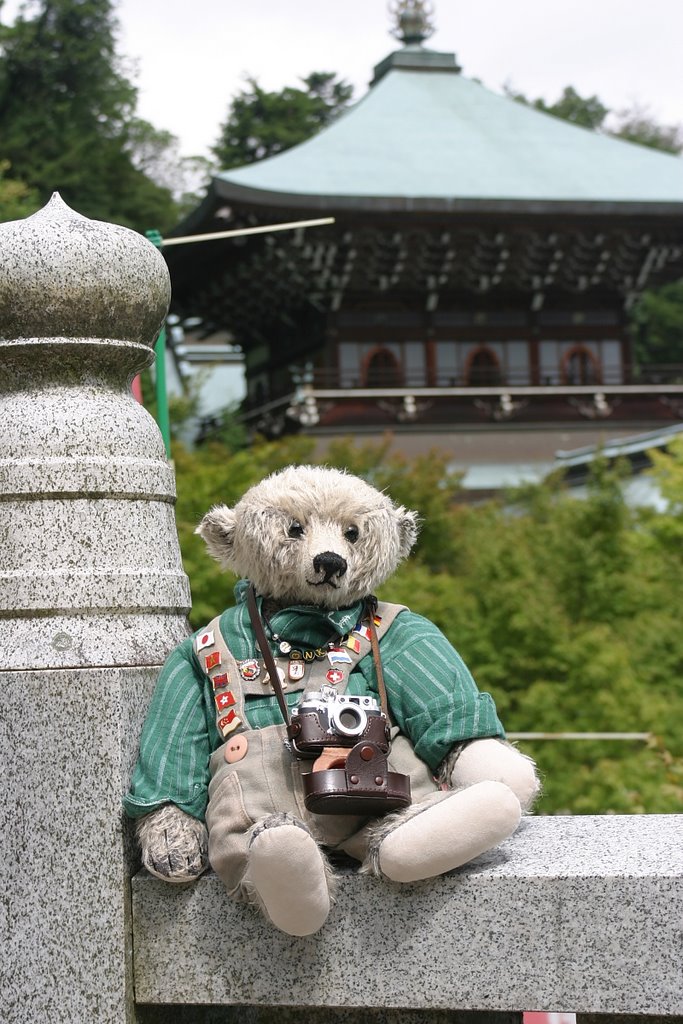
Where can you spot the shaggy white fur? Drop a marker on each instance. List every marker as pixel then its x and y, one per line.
pixel 278 529
pixel 175 846
pixel 493 760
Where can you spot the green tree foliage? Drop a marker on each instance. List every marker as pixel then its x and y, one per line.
pixel 638 125
pixel 584 111
pixel 261 124
pixel 156 153
pixel 635 123
pixel 658 325
pixel 17 200
pixel 566 610
pixel 65 110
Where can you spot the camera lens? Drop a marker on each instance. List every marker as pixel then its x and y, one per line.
pixel 349 720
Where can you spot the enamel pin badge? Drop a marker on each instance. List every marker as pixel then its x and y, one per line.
pixel 281 675
pixel 337 656
pixel 296 670
pixel 204 639
pixel 224 700
pixel 212 660
pixel 228 723
pixel 250 669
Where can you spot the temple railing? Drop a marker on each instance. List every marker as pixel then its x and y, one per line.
pixel 656 374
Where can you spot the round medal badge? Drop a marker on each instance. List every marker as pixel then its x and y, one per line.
pixel 250 669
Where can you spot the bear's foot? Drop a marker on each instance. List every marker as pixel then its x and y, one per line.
pixel 288 876
pixel 446 834
pixel 174 844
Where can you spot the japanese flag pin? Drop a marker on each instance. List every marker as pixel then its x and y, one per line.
pixel 203 640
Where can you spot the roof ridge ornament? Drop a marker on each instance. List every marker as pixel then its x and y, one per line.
pixel 413 20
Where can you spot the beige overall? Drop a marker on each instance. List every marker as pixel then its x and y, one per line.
pixel 264 777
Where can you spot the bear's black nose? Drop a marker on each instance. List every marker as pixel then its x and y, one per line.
pixel 331 564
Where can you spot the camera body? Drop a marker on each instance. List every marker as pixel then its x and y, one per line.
pixel 325 718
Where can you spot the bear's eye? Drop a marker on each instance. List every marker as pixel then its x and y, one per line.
pixel 351 534
pixel 295 529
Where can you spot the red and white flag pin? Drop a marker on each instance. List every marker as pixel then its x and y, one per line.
pixel 229 723
pixel 224 700
pixel 203 640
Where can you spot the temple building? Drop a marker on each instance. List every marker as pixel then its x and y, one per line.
pixel 477 277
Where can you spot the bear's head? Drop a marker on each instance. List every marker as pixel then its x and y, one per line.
pixel 311 535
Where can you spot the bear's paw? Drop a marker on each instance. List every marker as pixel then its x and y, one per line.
pixel 174 844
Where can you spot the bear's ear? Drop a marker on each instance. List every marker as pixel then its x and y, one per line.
pixel 217 529
pixel 408 529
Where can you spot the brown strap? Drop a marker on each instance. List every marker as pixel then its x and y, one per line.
pixel 378 662
pixel 262 641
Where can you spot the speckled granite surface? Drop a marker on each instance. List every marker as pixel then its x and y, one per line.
pixel 571 913
pixel 304 1015
pixel 62 274
pixel 87 532
pixel 68 741
pixel 92 599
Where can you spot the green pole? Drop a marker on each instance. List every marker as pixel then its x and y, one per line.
pixel 160 368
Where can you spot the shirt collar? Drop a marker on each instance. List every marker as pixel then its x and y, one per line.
pixel 308 623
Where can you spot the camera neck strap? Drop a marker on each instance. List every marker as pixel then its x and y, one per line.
pixel 262 641
pixel 374 643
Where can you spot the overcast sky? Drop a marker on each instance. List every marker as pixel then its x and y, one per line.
pixel 192 55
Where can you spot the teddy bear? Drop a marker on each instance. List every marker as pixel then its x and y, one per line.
pixel 311 722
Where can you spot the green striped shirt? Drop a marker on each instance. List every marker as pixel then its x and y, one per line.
pixel 432 696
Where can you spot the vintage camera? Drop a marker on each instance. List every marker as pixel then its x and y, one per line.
pixel 361 783
pixel 326 718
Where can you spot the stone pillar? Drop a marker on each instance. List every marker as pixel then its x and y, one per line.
pixel 92 598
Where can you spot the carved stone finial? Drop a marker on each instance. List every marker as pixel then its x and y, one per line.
pixel 86 493
pixel 64 275
pixel 413 20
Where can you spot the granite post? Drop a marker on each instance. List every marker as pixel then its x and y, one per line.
pixel 92 598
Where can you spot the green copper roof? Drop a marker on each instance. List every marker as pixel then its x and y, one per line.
pixel 430 134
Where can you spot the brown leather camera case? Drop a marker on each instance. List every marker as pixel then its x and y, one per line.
pixel 363 786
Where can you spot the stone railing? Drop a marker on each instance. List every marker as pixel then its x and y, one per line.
pixel 578 914
pixel 581 914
